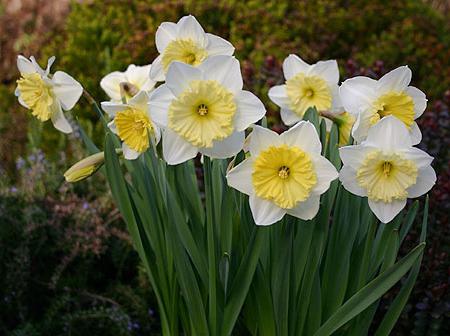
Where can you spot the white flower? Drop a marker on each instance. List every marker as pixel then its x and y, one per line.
pixel 306 86
pixel 285 174
pixel 370 100
pixel 187 42
pixel 386 169
pixel 46 95
pixel 133 80
pixel 204 109
pixel 134 125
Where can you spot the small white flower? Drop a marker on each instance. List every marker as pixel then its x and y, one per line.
pixel 133 123
pixel 306 86
pixel 204 109
pixel 133 80
pixel 46 95
pixel 386 169
pixel 285 174
pixel 371 100
pixel 186 42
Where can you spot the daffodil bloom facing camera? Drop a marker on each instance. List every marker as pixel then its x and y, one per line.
pixel 133 124
pixel 386 169
pixel 46 95
pixel 186 42
pixel 371 100
pixel 128 83
pixel 306 86
pixel 204 109
pixel 285 174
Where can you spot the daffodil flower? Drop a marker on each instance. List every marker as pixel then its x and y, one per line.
pixel 371 100
pixel 46 95
pixel 285 174
pixel 134 79
pixel 187 42
pixel 204 109
pixel 133 124
pixel 306 86
pixel 386 168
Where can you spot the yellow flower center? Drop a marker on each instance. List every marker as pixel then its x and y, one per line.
pixel 186 51
pixel 134 127
pixel 37 95
pixel 203 113
pixel 345 123
pixel 386 176
pixel 284 175
pixel 308 91
pixel 398 104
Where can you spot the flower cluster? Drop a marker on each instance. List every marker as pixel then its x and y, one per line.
pixel 202 108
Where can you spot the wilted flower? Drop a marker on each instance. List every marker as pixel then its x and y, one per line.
pixel 370 100
pixel 285 174
pixel 133 123
pixel 46 95
pixel 186 42
pixel 306 86
pixel 387 169
pixel 204 109
pixel 128 83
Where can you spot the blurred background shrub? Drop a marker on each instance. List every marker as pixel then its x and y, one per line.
pixel 66 244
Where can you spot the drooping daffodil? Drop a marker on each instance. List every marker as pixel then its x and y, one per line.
pixel 134 125
pixel 127 83
pixel 285 174
pixel 386 168
pixel 186 42
pixel 371 100
pixel 204 109
pixel 306 86
pixel 47 95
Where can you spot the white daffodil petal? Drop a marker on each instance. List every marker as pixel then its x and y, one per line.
pixel 389 134
pixel 24 65
pixel 357 94
pixel 166 33
pixel 361 127
pixel 261 138
pixel 306 210
pixel 225 70
pixel 354 156
pixel 240 177
pixel 190 28
pixel 128 153
pixel 304 136
pixel 249 110
pixel 180 75
pixel 395 80
pixel 159 102
pixel 289 117
pixel 415 133
pixel 112 126
pixel 278 95
pixel 175 149
pixel 111 84
pixel 386 212
pixel 265 212
pixel 66 89
pixel 139 76
pixel 157 70
pixel 59 120
pixel 420 158
pixel 327 70
pixel 157 134
pixel 225 148
pixel 218 46
pixel 112 108
pixel 140 100
pixel 420 100
pixel 325 172
pixel 293 65
pixel 426 179
pixel 347 176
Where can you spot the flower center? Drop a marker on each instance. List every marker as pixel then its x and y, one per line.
pixel 398 104
pixel 186 51
pixel 203 113
pixel 308 91
pixel 133 127
pixel 284 175
pixel 37 95
pixel 386 177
